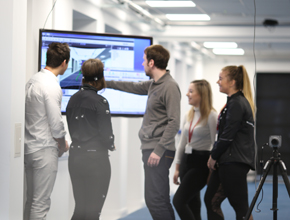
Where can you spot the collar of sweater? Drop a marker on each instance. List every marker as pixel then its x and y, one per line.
pixel 163 78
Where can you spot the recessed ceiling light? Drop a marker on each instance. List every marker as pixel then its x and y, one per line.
pixel 236 51
pixel 188 17
pixel 170 3
pixel 220 44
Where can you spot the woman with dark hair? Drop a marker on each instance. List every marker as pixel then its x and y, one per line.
pixel 197 137
pixel 233 154
pixel 90 128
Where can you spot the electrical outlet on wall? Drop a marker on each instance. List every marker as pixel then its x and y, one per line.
pixel 17 140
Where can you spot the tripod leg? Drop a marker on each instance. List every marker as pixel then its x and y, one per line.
pixel 266 170
pixel 283 171
pixel 275 191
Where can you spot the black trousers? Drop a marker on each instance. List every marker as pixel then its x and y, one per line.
pixel 228 180
pixel 193 174
pixel 90 174
pixel 157 196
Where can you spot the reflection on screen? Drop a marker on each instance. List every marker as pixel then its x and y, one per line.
pixel 122 57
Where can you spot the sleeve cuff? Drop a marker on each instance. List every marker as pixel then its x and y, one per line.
pixel 178 162
pixel 213 156
pixel 59 134
pixel 159 150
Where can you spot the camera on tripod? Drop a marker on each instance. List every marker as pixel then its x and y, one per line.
pixel 275 141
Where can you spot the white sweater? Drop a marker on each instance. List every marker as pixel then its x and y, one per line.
pixel 203 135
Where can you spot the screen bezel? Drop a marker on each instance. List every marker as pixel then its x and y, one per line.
pixel 93 34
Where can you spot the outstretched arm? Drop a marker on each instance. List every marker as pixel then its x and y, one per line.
pixel 140 88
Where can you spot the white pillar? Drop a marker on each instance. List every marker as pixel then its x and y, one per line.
pixel 171 62
pixel 135 171
pixel 13 70
pixel 37 12
pixel 63 15
pixel 115 204
pixel 199 67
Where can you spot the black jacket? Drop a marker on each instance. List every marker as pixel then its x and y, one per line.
pixel 235 141
pixel 89 120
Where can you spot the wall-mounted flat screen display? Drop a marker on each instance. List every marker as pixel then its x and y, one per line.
pixel 122 56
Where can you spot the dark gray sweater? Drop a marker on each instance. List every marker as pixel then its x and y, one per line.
pixel 162 116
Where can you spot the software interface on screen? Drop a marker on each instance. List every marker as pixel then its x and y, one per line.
pixel 122 58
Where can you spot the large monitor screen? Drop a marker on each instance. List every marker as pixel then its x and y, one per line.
pixel 122 56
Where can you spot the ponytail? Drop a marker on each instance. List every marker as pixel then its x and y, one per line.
pixel 247 90
pixel 240 75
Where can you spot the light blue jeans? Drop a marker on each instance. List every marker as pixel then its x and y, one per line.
pixel 40 169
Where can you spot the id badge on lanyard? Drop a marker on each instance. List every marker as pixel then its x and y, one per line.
pixel 188 149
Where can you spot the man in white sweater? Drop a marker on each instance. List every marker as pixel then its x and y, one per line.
pixel 44 131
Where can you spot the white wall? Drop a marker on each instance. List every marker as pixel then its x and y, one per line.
pixel 12 56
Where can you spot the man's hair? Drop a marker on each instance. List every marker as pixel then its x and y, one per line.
pixel 56 54
pixel 94 68
pixel 159 54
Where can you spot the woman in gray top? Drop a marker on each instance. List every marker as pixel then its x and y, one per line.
pixel 197 137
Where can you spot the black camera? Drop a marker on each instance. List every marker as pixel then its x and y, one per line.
pixel 275 141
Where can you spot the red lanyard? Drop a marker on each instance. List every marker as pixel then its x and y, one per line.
pixel 190 132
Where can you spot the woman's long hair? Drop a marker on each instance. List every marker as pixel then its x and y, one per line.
pixel 240 75
pixel 204 90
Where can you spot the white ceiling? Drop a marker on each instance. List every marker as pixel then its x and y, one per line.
pixel 228 12
pixel 231 20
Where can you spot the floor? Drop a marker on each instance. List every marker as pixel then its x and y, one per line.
pixel 265 200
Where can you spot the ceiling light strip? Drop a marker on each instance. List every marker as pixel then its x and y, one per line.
pixel 236 51
pixel 188 17
pixel 166 4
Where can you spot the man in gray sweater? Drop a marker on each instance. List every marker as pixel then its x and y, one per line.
pixel 160 124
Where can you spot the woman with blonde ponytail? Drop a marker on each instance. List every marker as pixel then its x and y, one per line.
pixel 197 137
pixel 233 154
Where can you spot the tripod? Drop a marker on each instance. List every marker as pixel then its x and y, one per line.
pixel 276 162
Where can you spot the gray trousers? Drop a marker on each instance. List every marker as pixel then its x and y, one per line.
pixel 40 169
pixel 157 190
